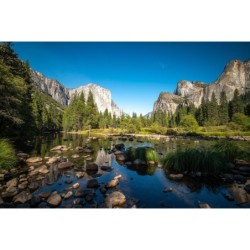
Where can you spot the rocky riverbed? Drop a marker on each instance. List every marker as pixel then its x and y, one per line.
pixel 78 172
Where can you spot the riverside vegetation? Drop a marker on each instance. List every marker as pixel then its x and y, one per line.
pixel 26 112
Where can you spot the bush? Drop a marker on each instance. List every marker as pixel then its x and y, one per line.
pixel 242 121
pixel 189 123
pixel 143 153
pixel 195 160
pixel 7 155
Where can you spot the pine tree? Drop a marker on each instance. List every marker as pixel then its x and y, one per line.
pixel 236 105
pixel 223 109
pixel 212 111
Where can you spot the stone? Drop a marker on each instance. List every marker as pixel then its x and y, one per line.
pixel 244 169
pixel 151 163
pixel 103 190
pixel 176 177
pixel 128 163
pixel 204 205
pixel 93 183
pixel 107 168
pixel 68 181
pixel 42 169
pixel 115 199
pixel 33 186
pixel 44 195
pixel 40 177
pixel 228 196
pixel 79 174
pixel 54 200
pixel 88 151
pixel 168 190
pixel 242 162
pixel 76 185
pixel 57 148
pixel 112 183
pixel 68 195
pixel 1 177
pixel 118 177
pixel 1 200
pixel 11 189
pixel 23 205
pixel 23 185
pixel 42 205
pixel 52 160
pixel 120 157
pixel 22 197
pixel 22 155
pixel 65 165
pixel 35 200
pixel 75 156
pixel 92 167
pixel 79 149
pixel 89 159
pixel 240 178
pixel 12 183
pixel 34 160
pixel 118 152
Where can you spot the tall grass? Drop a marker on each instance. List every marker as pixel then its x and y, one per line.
pixel 195 160
pixel 143 153
pixel 7 155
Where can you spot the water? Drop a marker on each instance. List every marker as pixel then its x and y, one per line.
pixel 142 187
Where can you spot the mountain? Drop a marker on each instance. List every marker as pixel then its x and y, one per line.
pixel 236 75
pixel 63 95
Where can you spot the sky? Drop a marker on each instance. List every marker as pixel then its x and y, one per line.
pixel 134 72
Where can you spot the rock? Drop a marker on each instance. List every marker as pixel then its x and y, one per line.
pixel 68 181
pixel 228 197
pixel 10 192
pixel 13 170
pixel 23 180
pixel 89 159
pixel 76 185
pixel 54 200
pixel 68 195
pixel 118 152
pixel 33 186
pixel 42 169
pixel 23 185
pixel 92 167
pixel 23 205
pixel 242 162
pixel 52 160
pixel 137 162
pixel 244 169
pixel 79 174
pixel 247 188
pixel 151 163
pixel 128 163
pixel 44 195
pixel 93 183
pixel 204 205
pixel 240 178
pixel 168 190
pixel 65 165
pixel 22 176
pixel 118 177
pixel 1 177
pixel 229 178
pixel 40 177
pixel 57 148
pixel 75 156
pixel 11 189
pixel 120 157
pixel 43 205
pixel 115 199
pixel 22 197
pixel 79 149
pixel 88 151
pixel 1 200
pixel 12 183
pixel 96 175
pixel 112 183
pixel 106 168
pixel 34 160
pixel 103 190
pixel 176 176
pixel 22 155
pixel 35 200
pixel 198 174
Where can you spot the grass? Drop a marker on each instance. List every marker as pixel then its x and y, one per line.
pixel 195 160
pixel 143 153
pixel 7 155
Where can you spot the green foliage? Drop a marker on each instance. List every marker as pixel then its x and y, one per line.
pixel 223 109
pixel 189 123
pixel 242 121
pixel 229 149
pixel 143 153
pixel 195 160
pixel 7 155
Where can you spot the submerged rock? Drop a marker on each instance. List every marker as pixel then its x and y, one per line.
pixel 35 200
pixel 45 195
pixel 33 186
pixel 68 195
pixel 175 176
pixel 112 183
pixel 204 205
pixel 79 174
pixel 116 199
pixel 107 168
pixel 168 190
pixel 93 183
pixel 92 167
pixel 65 165
pixel 76 185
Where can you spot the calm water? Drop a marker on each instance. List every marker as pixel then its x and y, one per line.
pixel 144 186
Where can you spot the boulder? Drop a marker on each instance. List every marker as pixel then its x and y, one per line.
pixel 76 185
pixel 93 183
pixel 22 197
pixel 23 185
pixel 65 165
pixel 68 195
pixel 112 183
pixel 42 169
pixel 44 195
pixel 120 157
pixel 10 192
pixel 247 188
pixel 57 148
pixel 33 186
pixel 92 167
pixel 54 200
pixel 12 183
pixel 82 193
pixel 1 200
pixel 118 177
pixel 34 160
pixel 35 200
pixel 176 177
pixel 116 199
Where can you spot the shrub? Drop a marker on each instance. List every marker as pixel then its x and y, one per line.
pixel 142 153
pixel 242 121
pixel 7 155
pixel 189 123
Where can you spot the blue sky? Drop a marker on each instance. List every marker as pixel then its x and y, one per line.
pixel 135 72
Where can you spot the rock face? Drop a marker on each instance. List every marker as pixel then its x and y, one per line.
pixel 236 75
pixel 64 95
